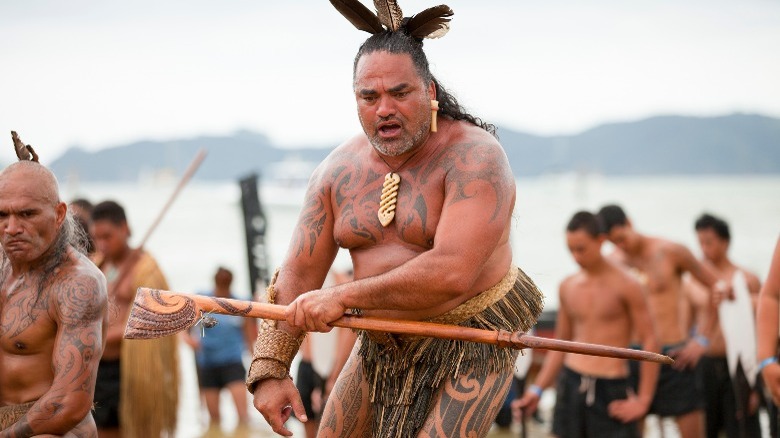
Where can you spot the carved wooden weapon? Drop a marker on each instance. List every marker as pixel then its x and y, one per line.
pixel 158 313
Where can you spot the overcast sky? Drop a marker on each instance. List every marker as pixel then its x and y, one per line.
pixel 100 73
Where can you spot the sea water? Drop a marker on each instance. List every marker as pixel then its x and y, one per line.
pixel 203 229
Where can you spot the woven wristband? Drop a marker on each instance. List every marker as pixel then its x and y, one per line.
pixel 273 353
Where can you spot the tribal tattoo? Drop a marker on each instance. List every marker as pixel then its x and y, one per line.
pixel 467 406
pixel 311 222
pixel 75 305
pixel 347 412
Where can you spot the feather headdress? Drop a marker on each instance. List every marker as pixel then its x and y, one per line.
pixel 24 152
pixel 431 23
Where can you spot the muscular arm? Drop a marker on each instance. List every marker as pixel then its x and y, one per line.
pixel 767 324
pixel 705 276
pixel 79 308
pixel 642 324
pixel 553 361
pixel 312 249
pixel 699 270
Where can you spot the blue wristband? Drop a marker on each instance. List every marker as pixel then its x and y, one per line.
pixel 536 389
pixel 702 340
pixel 765 362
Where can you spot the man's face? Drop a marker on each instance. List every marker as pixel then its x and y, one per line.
pixel 585 248
pixel 394 105
pixel 712 246
pixel 29 218
pixel 110 238
pixel 622 236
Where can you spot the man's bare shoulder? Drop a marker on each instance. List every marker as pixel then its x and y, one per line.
pixel 571 282
pixel 669 246
pixel 342 156
pixel 461 135
pixel 753 281
pixel 79 291
pixel 622 280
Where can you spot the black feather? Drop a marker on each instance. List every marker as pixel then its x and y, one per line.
pixel 430 21
pixel 360 16
pixel 389 14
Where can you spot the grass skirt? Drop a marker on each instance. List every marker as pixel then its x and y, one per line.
pixel 405 374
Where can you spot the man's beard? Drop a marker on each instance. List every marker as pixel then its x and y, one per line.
pixel 398 146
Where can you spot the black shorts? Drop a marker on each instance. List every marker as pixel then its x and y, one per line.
pixel 106 411
pixel 581 409
pixel 724 409
pixel 218 377
pixel 307 381
pixel 677 392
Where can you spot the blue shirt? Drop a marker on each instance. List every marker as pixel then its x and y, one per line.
pixel 223 343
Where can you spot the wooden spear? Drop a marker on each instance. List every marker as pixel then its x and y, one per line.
pixel 158 313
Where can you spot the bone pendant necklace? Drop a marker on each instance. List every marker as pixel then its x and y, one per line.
pixel 389 198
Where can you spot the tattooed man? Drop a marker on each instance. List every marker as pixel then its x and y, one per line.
pixel 443 254
pixel 52 311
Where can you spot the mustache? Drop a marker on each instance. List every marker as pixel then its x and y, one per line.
pixel 13 240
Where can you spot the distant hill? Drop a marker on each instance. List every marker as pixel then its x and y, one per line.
pixel 733 144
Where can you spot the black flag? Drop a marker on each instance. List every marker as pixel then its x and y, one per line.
pixel 255 226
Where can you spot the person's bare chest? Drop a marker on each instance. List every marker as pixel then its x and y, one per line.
pixel 356 196
pixel 25 324
pixel 656 271
pixel 595 304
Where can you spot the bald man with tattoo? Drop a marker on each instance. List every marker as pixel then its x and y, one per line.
pixel 441 253
pixel 52 311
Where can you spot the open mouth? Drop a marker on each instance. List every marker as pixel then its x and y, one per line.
pixel 389 129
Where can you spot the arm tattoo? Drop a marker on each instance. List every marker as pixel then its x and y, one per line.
pixel 468 163
pixel 311 223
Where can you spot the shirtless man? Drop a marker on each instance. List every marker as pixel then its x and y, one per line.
pixel 723 408
pixel 137 390
pixel 52 311
pixel 599 304
pixel 659 265
pixel 447 241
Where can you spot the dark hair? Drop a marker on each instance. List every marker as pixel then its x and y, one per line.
pixel 714 223
pixel 83 204
pixel 611 216
pixel 400 42
pixel 586 221
pixel 110 211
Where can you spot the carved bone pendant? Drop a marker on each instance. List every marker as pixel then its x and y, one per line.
pixel 386 211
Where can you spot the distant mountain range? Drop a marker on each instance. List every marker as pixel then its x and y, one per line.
pixel 665 145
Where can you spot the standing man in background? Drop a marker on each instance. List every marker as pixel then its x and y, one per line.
pixel 600 304
pixel 659 265
pixel 731 402
pixel 219 357
pixel 138 381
